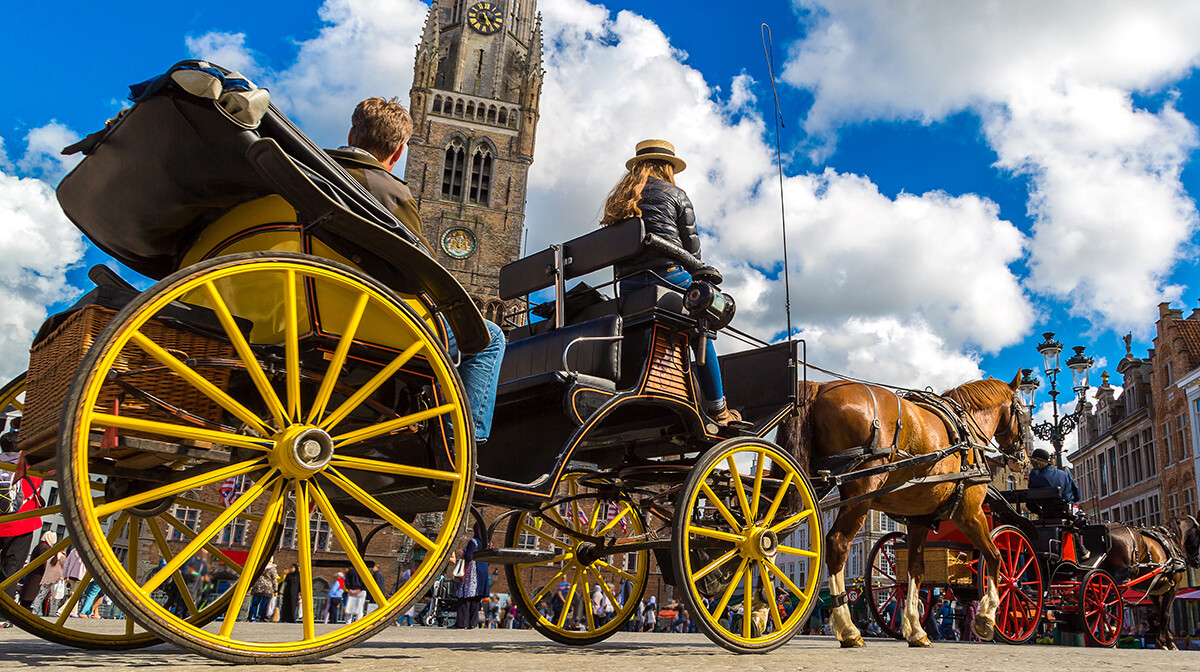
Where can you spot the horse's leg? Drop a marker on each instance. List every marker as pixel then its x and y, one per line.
pixel 974 525
pixel 911 622
pixel 1166 636
pixel 847 524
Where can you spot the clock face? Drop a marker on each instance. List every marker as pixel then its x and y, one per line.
pixel 485 17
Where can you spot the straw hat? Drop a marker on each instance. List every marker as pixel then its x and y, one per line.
pixel 656 149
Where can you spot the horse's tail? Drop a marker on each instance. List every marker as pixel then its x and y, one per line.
pixel 796 431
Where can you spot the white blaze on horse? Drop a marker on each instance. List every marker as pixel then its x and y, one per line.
pixel 842 427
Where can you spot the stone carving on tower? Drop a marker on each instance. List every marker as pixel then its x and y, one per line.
pixel 477 83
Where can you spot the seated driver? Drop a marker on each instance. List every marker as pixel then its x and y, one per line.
pixel 648 191
pixel 1045 475
pixel 379 130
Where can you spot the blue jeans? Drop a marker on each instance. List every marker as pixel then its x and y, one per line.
pixel 480 373
pixel 89 598
pixel 709 375
pixel 258 607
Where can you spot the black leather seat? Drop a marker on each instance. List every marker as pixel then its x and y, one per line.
pixel 539 360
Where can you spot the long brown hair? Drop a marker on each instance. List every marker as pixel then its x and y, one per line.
pixel 622 202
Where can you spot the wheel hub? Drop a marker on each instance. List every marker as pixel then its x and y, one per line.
pixel 761 543
pixel 586 553
pixel 302 451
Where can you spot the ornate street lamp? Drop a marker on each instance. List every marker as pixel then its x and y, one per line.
pixel 1056 430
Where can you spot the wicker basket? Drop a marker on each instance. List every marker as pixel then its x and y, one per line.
pixel 53 361
pixel 943 566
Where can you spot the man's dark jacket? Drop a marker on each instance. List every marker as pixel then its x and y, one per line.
pixel 667 213
pixel 388 189
pixel 1053 477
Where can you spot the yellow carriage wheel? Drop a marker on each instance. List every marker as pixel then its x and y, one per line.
pixel 317 432
pixel 575 532
pixel 80 631
pixel 747 545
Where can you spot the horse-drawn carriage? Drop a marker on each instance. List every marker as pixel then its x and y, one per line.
pixel 1055 570
pixel 287 375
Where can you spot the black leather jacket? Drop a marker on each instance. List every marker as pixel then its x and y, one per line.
pixel 667 212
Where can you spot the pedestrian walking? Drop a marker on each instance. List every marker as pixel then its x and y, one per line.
pixel 44 602
pixel 261 592
pixel 290 598
pixel 333 599
pixel 476 581
pixel 355 596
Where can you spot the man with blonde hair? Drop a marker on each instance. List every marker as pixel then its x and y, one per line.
pixel 379 130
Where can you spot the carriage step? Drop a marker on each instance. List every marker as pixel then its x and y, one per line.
pixel 512 556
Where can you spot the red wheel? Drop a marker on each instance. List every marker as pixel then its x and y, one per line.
pixel 1101 609
pixel 1020 587
pixel 887 594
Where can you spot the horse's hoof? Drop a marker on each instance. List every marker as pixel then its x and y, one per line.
pixel 984 628
pixel 853 643
pixel 922 643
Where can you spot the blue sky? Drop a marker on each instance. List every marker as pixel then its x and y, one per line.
pixel 960 178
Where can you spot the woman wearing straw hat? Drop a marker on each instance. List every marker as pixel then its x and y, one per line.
pixel 648 191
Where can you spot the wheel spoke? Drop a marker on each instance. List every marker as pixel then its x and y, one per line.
pixel 200 383
pixel 772 600
pixel 369 388
pixel 724 602
pixel 257 375
pixel 550 561
pixel 303 529
pixel 756 491
pixel 339 359
pixel 160 540
pixel 191 534
pixel 625 510
pixel 568 603
pixel 612 597
pixel 376 466
pixel 587 602
pixel 550 585
pixel 788 523
pixel 180 431
pixel 206 535
pixel 747 603
pixel 213 508
pixel 254 559
pixel 787 583
pixel 616 570
pixel 35 563
pixel 778 499
pixel 715 534
pixel 291 345
pixel 739 488
pixel 390 426
pixel 720 507
pixel 545 537
pixel 348 547
pixel 791 550
pixel 710 567
pixel 208 477
pixel 350 488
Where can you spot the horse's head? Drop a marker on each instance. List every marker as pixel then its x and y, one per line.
pixel 1014 433
pixel 1187 532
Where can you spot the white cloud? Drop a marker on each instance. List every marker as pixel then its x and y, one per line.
pixel 905 289
pixel 43 156
pixel 1052 83
pixel 38 245
pixel 227 50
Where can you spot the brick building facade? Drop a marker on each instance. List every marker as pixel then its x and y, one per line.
pixel 1176 352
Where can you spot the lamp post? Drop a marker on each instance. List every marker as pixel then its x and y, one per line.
pixel 1080 365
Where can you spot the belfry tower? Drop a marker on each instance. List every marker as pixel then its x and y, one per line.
pixel 474 103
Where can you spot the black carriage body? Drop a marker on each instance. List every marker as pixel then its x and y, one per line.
pixel 614 384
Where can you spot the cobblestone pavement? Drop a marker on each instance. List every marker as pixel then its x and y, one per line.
pixel 418 649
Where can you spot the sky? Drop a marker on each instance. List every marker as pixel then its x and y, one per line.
pixel 958 177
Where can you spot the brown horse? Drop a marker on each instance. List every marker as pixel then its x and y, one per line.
pixel 839 416
pixel 1136 552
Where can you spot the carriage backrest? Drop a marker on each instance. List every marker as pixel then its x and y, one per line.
pixel 590 252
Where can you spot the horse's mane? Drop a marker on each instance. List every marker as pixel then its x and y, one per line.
pixel 981 394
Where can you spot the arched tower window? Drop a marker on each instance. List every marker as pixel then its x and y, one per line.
pixel 437 104
pixel 481 175
pixel 470 110
pixel 503 116
pixel 494 311
pixel 458 108
pixel 491 114
pixel 452 174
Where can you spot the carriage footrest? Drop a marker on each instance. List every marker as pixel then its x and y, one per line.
pixel 512 556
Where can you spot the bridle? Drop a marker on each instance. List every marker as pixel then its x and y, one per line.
pixel 1019 448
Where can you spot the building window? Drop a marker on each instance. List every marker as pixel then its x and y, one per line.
pixel 1148 452
pixel 1123 461
pixel 234 533
pixel 502 117
pixel 1153 514
pixel 1135 458
pixel 527 541
pixel 1102 477
pixel 1112 469
pixel 318 532
pixel 437 104
pixel 481 176
pixel 1181 430
pixel 452 174
pixel 458 109
pixel 189 517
